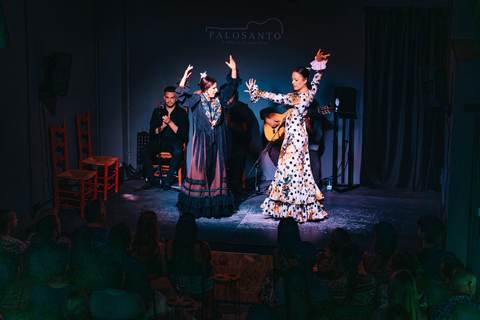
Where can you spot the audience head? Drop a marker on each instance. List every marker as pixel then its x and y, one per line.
pixel 147 234
pixel 120 236
pixel 77 306
pixel 385 239
pixel 8 221
pixel 288 235
pixel 338 238
pixel 464 282
pixel 402 290
pixel 432 230
pixel 48 227
pixel 43 213
pixel 186 231
pixel 447 267
pixel 407 261
pixel 95 212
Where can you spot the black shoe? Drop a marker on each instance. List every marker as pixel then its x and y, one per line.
pixel 146 186
pixel 166 186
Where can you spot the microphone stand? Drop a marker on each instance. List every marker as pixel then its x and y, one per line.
pixel 256 165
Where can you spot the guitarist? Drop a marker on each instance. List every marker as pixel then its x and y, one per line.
pixel 315 126
pixel 267 115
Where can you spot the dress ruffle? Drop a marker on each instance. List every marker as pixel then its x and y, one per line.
pixel 208 207
pixel 301 213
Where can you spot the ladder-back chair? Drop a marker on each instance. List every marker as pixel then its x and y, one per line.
pixel 73 188
pixel 107 167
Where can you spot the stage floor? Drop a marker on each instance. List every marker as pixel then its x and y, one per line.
pixel 249 231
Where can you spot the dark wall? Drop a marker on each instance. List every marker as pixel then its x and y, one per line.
pixel 37 29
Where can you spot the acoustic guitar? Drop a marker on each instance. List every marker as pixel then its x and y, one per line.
pixel 274 134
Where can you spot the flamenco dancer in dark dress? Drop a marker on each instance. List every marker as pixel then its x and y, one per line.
pixel 205 192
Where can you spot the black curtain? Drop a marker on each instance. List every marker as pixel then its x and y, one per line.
pixel 403 131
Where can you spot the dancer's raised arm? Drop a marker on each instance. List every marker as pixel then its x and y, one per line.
pixel 233 66
pixel 187 74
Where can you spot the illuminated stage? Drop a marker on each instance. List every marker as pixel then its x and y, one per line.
pixel 249 231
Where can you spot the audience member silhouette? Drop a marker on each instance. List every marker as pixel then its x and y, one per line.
pixel 462 304
pixel 116 253
pixel 14 290
pixel 32 234
pixel 353 293
pixel 376 259
pixel 402 290
pixel 147 248
pixel 288 238
pixel 48 299
pixel 8 225
pixel 189 261
pixel 329 266
pixel 432 233
pixel 77 306
pixel 115 302
pixel 37 267
pixel 298 292
pixel 441 291
pixel 403 260
pixel 85 241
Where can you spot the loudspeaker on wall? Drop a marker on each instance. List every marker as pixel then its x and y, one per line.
pixel 56 74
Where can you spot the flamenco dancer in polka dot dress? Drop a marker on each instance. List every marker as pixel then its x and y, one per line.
pixel 293 192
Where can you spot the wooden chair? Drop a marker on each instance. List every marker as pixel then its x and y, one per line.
pixel 73 188
pixel 163 166
pixel 107 167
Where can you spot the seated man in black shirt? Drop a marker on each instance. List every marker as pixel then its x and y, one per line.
pixel 168 132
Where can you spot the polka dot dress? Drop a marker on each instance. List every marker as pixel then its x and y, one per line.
pixel 293 192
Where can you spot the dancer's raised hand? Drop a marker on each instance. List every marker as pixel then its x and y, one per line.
pixel 231 64
pixel 321 56
pixel 251 82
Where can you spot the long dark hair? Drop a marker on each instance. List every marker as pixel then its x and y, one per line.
pixel 288 235
pixel 350 256
pixel 338 238
pixel 185 237
pixel 385 240
pixel 306 74
pixel 145 246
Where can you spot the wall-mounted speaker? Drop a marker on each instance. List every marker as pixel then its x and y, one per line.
pixel 56 74
pixel 346 102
